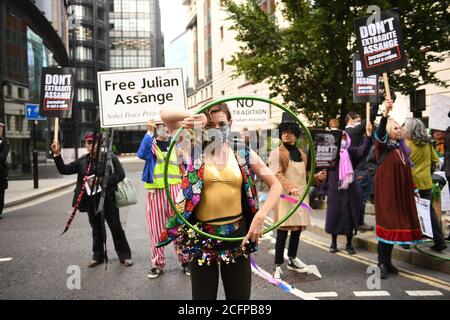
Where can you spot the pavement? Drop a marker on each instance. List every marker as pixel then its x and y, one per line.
pixel 22 191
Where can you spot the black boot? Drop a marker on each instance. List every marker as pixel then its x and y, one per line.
pixel 384 272
pixel 333 248
pixel 391 268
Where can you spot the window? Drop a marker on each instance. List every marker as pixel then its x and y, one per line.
pixel 21 92
pixel 84 73
pixel 82 53
pixel 19 123
pixel 221 32
pixel 222 92
pixel 82 12
pixel 222 64
pixel 85 94
pixel 9 90
pixel 83 33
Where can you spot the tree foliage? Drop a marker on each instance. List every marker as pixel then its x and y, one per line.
pixel 309 62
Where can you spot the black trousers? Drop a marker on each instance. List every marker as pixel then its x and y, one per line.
pixel 294 239
pixel 438 236
pixel 2 200
pixel 118 234
pixel 236 279
pixel 384 253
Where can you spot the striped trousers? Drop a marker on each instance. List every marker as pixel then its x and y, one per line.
pixel 158 211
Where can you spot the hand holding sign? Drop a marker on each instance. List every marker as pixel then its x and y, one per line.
pixel 389 104
pixel 151 125
pixel 368 129
pixel 56 148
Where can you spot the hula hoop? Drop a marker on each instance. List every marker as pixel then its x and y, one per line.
pixel 429 254
pixel 274 226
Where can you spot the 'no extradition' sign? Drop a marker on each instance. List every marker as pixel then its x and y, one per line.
pixel 57 86
pixel 249 113
pixel 380 43
pixel 132 97
pixel 365 89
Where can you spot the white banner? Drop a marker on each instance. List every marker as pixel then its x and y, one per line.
pixel 423 208
pixel 439 112
pixel 132 97
pixel 249 113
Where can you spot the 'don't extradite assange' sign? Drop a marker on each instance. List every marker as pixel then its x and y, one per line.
pixel 57 87
pixel 365 89
pixel 380 43
pixel 132 97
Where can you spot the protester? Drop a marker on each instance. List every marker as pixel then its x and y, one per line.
pixel 86 166
pixel 333 124
pixel 218 195
pixel 4 150
pixel 153 150
pixel 424 158
pixel 395 208
pixel 438 143
pixel 355 129
pixel 288 163
pixel 344 195
pixel 447 154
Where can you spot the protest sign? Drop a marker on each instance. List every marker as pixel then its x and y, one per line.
pixel 365 89
pixel 380 43
pixel 423 209
pixel 57 87
pixel 249 113
pixel 439 112
pixel 327 145
pixel 132 97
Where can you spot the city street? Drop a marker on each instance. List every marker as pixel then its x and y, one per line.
pixel 36 263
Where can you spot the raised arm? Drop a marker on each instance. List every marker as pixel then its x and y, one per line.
pixel 176 118
pixel 63 168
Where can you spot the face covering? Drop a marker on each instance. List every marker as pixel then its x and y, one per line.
pixel 343 144
pixel 218 133
pixel 162 133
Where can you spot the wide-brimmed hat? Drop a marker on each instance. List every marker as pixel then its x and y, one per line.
pixel 289 123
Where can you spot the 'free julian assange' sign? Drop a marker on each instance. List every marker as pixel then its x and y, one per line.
pixel 132 97
pixel 380 43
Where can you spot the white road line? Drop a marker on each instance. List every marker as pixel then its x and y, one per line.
pixel 371 293
pixel 323 294
pixel 5 259
pixel 424 293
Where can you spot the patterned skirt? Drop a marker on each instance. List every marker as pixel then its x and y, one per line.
pixel 207 250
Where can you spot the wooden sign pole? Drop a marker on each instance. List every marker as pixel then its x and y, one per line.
pixel 368 112
pixel 55 135
pixel 386 85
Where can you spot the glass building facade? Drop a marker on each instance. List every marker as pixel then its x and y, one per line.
pixel 88 52
pixel 135 42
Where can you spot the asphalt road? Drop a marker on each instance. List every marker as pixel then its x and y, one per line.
pixel 37 263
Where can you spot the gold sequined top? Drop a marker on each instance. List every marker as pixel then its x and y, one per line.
pixel 221 193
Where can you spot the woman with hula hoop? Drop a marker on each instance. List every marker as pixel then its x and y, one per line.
pixel 218 196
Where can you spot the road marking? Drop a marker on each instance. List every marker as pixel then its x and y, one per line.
pixel 424 293
pixel 371 293
pixel 5 259
pixel 323 294
pixel 441 284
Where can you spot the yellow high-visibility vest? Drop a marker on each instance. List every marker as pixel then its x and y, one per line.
pixel 173 171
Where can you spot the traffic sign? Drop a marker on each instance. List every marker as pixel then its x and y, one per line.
pixel 32 112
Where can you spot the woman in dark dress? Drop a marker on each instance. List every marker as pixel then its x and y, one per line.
pixel 395 208
pixel 344 195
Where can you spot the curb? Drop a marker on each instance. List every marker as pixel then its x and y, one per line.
pixel 39 194
pixel 367 241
